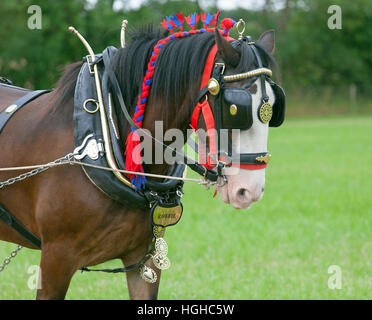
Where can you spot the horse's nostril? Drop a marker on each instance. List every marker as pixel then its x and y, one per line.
pixel 263 189
pixel 241 192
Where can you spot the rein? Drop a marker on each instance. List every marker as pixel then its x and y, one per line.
pixel 72 162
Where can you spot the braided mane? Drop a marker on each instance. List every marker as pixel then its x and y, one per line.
pixel 171 67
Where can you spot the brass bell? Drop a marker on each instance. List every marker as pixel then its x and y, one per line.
pixel 213 87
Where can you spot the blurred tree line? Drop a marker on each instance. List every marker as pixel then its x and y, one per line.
pixel 308 53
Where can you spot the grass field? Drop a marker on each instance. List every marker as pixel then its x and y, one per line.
pixel 316 212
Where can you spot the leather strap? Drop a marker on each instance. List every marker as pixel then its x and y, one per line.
pixel 8 112
pixel 265 97
pixel 11 221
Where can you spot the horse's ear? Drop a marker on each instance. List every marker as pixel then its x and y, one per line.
pixel 230 55
pixel 267 40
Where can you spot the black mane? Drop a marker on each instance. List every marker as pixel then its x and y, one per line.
pixel 179 67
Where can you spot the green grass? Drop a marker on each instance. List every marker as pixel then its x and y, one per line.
pixel 316 212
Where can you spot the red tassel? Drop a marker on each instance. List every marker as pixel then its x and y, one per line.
pixel 215 192
pixel 133 161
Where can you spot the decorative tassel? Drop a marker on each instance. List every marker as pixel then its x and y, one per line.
pixel 177 19
pixel 227 24
pixel 168 24
pixel 192 20
pixel 164 24
pixel 133 161
pixel 207 19
pixel 217 18
pixel 203 16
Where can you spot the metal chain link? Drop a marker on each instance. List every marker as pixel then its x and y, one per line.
pixel 66 159
pixel 9 259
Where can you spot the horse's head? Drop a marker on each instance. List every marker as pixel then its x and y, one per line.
pixel 235 93
pixel 241 103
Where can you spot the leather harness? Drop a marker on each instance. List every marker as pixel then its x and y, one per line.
pixel 86 126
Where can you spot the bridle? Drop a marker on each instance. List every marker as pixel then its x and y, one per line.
pixel 213 81
pixel 218 159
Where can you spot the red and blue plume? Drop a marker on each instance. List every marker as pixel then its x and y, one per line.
pixel 177 20
pixel 192 20
pixel 207 19
pixel 203 16
pixel 217 18
pixel 168 24
pixel 164 24
pixel 227 24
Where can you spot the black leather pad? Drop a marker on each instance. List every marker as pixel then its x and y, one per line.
pixel 242 99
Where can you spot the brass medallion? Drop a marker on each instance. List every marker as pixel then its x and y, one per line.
pixel 265 112
pixel 148 274
pixel 159 258
pixel 161 246
pixel 163 216
pixel 161 261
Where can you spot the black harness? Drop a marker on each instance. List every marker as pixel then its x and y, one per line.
pixel 5 116
pixel 163 198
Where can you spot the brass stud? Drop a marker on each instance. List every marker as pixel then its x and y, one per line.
pixel 11 108
pixel 233 109
pixel 213 87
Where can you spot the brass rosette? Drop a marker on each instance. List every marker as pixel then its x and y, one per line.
pixel 266 112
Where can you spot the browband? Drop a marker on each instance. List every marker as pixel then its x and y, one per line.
pixel 249 74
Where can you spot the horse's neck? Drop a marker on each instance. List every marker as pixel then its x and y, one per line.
pixel 163 126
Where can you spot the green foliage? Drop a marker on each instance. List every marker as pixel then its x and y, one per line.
pixel 308 52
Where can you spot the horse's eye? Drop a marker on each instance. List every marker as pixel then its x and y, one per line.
pixel 253 88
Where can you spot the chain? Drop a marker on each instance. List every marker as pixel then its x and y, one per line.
pixel 8 260
pixel 69 159
pixel 66 159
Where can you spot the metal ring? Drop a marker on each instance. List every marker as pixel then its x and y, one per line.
pixel 91 111
pixel 240 22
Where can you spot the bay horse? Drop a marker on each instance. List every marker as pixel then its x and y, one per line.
pixel 80 226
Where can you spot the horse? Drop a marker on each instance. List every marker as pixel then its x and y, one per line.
pixel 77 224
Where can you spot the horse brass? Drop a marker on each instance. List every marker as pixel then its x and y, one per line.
pixel 163 216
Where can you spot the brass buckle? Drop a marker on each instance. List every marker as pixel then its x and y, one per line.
pixel 89 62
pixel 221 64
